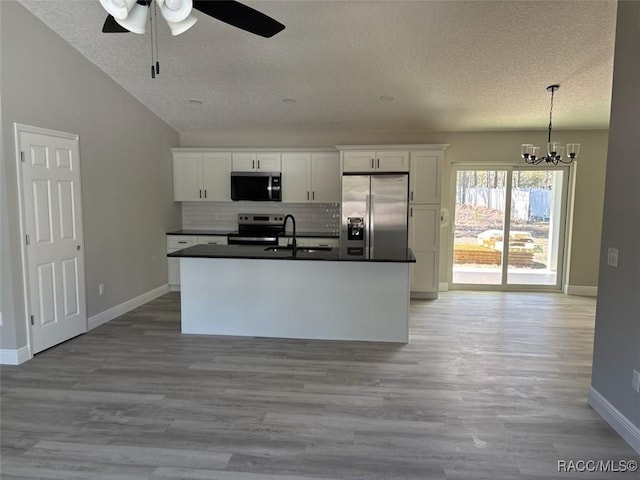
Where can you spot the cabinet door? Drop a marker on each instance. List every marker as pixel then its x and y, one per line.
pixel 425 177
pixel 243 162
pixel 216 180
pixel 187 182
pixel 296 177
pixel 392 161
pixel 325 177
pixel 268 162
pixel 212 240
pixel 424 238
pixel 358 161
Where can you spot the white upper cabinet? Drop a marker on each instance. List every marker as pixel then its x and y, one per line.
pixel 425 177
pixel 216 183
pixel 199 176
pixel 325 177
pixel 256 162
pixel 375 161
pixel 187 177
pixel 311 177
pixel 296 177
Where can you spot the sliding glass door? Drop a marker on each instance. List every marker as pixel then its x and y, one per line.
pixel 525 205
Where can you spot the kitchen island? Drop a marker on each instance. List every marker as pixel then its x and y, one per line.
pixel 314 294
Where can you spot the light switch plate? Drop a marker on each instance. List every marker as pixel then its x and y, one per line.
pixel 612 257
pixel 635 382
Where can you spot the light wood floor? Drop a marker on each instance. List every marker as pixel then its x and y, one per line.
pixel 491 386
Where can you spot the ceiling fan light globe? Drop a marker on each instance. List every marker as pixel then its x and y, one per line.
pixel 136 22
pixel 180 27
pixel 118 9
pixel 175 10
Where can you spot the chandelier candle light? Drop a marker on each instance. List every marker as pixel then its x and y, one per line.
pixel 555 150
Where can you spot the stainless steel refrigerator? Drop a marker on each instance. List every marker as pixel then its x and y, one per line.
pixel 374 213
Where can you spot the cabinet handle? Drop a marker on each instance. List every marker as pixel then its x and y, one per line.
pixel 412 196
pixel 307 195
pixel 205 193
pixel 372 163
pixel 378 163
pixel 313 195
pixel 200 193
pixel 258 164
pixel 253 164
pixel 411 212
pixel 182 242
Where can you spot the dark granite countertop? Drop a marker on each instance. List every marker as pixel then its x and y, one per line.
pixel 227 232
pixel 222 233
pixel 311 234
pixel 395 255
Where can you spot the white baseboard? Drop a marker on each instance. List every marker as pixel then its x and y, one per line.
pixel 103 317
pixel 621 424
pixel 424 295
pixel 443 287
pixel 14 357
pixel 581 291
pixel 174 288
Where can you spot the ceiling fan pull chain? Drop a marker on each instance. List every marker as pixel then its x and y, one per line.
pixel 153 68
pixel 155 16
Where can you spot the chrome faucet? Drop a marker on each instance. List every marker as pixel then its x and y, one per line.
pixel 284 227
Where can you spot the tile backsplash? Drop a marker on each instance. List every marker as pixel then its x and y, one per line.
pixel 310 217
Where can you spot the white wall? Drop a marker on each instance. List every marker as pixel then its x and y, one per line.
pixel 585 224
pixel 617 338
pixel 125 161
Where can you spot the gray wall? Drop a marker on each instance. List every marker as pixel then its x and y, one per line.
pixel 585 224
pixel 617 338
pixel 125 162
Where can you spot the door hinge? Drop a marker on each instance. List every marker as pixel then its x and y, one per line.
pixel 27 239
pixel 32 320
pixel 22 156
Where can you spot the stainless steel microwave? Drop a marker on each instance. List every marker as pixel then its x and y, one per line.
pixel 256 186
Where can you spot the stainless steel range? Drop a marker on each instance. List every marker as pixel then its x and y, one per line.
pixel 257 229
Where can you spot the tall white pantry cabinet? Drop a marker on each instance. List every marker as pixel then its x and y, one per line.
pixel 424 164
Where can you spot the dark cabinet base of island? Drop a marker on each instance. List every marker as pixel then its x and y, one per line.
pixel 307 299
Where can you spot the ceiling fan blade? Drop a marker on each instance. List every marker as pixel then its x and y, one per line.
pixel 239 15
pixel 111 26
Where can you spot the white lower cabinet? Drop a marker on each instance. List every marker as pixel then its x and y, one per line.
pixel 178 242
pixel 424 241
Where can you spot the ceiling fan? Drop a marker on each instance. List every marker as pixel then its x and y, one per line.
pixel 133 15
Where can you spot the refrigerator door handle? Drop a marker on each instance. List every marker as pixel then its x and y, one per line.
pixel 367 218
pixel 372 215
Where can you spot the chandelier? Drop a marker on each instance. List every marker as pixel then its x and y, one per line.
pixel 555 150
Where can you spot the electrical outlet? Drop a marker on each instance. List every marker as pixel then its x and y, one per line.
pixel 101 289
pixel 612 257
pixel 635 382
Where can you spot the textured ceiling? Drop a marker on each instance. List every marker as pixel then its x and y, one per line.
pixel 450 65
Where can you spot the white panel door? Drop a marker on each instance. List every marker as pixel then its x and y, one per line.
pixel 53 225
pixel 268 162
pixel 424 238
pixel 296 177
pixel 187 177
pixel 358 161
pixel 216 179
pixel 325 177
pixel 392 161
pixel 424 177
pixel 243 162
